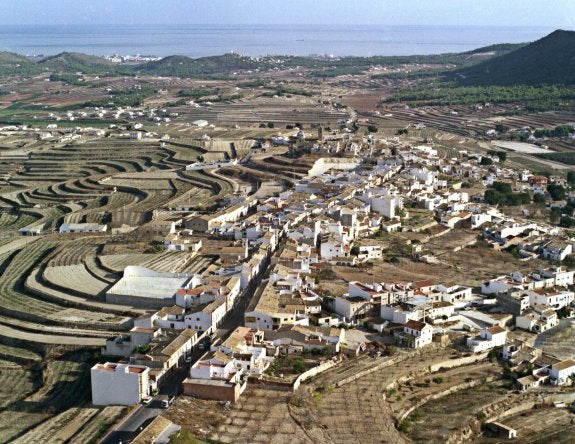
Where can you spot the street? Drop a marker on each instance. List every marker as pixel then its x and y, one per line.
pixel 172 387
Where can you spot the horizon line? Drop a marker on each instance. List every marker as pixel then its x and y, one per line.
pixel 395 25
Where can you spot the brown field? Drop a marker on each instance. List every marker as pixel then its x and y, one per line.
pixel 470 266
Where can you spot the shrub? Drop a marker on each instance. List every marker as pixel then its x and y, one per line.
pixel 438 379
pixel 417 415
pixel 481 416
pixel 404 425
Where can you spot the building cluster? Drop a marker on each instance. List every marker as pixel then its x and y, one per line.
pixel 279 248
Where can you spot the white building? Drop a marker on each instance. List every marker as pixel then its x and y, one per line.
pixel 119 384
pixel 536 321
pixel 560 372
pixel 416 334
pixel 550 298
pixel 83 228
pixel 488 338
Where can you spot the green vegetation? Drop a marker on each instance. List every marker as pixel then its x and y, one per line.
pixel 128 97
pixel 283 91
pixel 557 192
pixel 299 365
pixel 71 79
pixel 567 158
pixel 534 98
pixel 550 60
pixel 15 64
pixel 183 436
pixel 72 62
pixel 195 93
pixel 558 131
pixel 335 72
pixel 141 349
pixel 404 425
pixel 206 66
pixel 502 194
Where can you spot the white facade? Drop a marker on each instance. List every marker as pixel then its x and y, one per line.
pixel 208 319
pixel 119 384
pixel 560 372
pixel 420 334
pixel 83 228
pixel 488 338
pixel 550 299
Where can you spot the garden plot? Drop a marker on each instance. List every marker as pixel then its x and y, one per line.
pixel 16 383
pixel 20 354
pixel 118 262
pixel 542 425
pixel 440 419
pixel 558 341
pixel 75 278
pixel 66 384
pixel 98 425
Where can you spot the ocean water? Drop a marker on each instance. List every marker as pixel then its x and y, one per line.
pixel 258 40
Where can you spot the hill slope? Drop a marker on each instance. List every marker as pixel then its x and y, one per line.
pixel 184 66
pixel 11 63
pixel 70 62
pixel 550 60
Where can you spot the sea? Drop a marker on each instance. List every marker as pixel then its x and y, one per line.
pixel 258 40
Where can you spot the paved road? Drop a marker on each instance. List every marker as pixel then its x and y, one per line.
pixel 137 421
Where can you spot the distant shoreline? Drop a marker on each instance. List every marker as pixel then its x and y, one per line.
pixel 257 40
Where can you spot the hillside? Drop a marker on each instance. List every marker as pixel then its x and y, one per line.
pixel 69 62
pixel 550 60
pixel 11 63
pixel 181 66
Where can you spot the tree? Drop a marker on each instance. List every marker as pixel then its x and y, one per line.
pixel 502 156
pixel 557 192
pixel 566 222
pixel 571 177
pixel 539 199
pixel 372 128
pixel 492 197
pixel 554 215
pixel 486 161
pixel 500 128
pixel 271 125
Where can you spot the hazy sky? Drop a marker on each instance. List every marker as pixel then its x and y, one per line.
pixel 546 13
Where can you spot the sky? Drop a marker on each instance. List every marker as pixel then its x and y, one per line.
pixel 544 13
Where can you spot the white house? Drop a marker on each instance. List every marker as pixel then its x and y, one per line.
pixel 550 298
pixel 537 321
pixel 119 384
pixel 208 318
pixel 557 251
pixel 416 334
pixel 560 372
pixel 488 338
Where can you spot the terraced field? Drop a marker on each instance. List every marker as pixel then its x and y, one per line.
pixel 62 384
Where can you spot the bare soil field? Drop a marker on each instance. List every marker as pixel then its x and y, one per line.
pixel 539 426
pixel 364 102
pixel 441 418
pixel 329 408
pixel 470 266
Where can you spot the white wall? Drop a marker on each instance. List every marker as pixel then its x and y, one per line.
pixel 119 387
